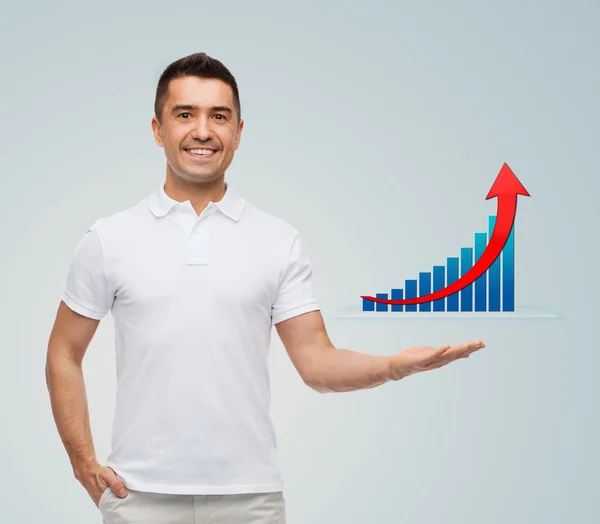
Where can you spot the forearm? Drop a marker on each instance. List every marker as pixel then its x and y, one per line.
pixel 65 382
pixel 342 370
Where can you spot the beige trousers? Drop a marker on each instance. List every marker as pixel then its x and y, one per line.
pixel 142 507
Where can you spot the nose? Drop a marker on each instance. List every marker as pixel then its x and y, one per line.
pixel 202 130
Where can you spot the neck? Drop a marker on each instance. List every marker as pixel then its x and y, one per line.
pixel 198 193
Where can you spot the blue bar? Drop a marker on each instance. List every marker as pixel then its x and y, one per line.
pixel 493 273
pixel 438 283
pixel 378 305
pixel 424 289
pixel 368 305
pixel 397 294
pixel 411 292
pixel 508 273
pixel 452 263
pixel 480 282
pixel 466 293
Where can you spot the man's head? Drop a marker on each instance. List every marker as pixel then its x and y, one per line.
pixel 197 107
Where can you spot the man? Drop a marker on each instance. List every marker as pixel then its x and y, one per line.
pixel 195 277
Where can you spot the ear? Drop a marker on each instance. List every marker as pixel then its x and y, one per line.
pixel 239 134
pixel 156 130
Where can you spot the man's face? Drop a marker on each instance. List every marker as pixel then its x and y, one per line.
pixel 198 115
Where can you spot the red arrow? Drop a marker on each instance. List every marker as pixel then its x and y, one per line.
pixel 506 187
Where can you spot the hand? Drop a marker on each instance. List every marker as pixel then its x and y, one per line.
pixel 97 479
pixel 423 358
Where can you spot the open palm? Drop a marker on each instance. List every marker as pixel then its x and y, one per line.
pixel 417 359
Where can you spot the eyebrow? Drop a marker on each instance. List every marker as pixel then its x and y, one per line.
pixel 193 107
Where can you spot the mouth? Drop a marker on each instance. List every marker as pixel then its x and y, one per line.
pixel 200 154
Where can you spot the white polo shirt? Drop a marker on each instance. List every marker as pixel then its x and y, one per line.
pixel 194 299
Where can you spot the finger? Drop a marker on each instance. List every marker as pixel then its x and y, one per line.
pixel 468 346
pixel 438 353
pixel 442 356
pixel 476 346
pixel 466 353
pixel 115 483
pixel 430 354
pixel 454 353
pixel 446 361
pixel 472 349
pixel 451 356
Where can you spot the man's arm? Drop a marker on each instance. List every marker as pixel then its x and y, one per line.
pixel 69 340
pixel 324 367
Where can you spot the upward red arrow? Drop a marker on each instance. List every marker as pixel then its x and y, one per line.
pixel 506 187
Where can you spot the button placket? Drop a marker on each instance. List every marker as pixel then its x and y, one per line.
pixel 197 244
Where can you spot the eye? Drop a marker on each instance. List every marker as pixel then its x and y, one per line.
pixel 221 115
pixel 183 114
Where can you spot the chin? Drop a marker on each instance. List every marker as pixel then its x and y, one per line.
pixel 199 177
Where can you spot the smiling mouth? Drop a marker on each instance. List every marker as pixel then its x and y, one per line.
pixel 201 153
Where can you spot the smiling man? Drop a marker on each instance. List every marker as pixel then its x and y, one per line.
pixel 195 277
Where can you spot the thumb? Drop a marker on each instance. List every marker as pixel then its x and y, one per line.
pixel 439 352
pixel 111 478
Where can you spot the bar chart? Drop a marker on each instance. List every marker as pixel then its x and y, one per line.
pixel 493 291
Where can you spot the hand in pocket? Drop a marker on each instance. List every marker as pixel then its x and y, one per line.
pixel 105 477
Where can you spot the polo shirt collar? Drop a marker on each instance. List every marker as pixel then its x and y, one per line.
pixel 231 204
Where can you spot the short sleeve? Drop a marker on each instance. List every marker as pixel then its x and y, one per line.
pixel 294 295
pixel 88 290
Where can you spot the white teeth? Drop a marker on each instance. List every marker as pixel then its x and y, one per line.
pixel 201 151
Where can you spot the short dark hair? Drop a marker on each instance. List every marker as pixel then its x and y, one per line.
pixel 197 64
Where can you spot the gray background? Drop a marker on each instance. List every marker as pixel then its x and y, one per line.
pixel 376 129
